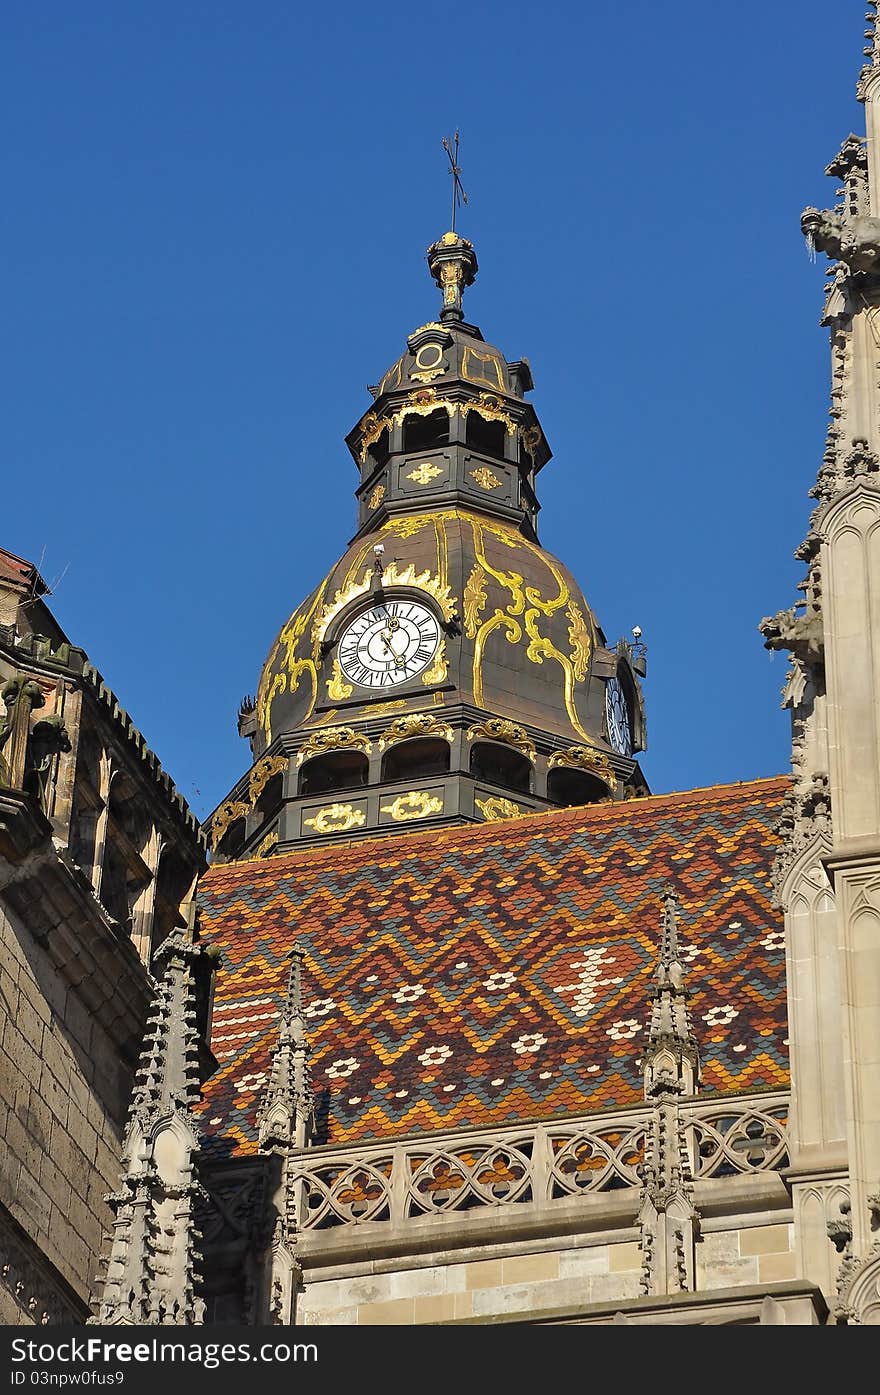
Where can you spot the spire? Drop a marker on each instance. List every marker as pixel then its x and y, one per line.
pixel 153 1272
pixel 671 1061
pixel 453 265
pixel 286 1110
pixel 668 1222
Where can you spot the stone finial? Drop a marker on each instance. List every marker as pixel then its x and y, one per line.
pixel 670 1064
pixel 286 1110
pixel 154 1266
pixel 453 265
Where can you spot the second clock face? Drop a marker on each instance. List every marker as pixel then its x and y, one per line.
pixel 390 643
pixel 617 717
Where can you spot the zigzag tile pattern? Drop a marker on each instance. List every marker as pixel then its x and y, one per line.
pixel 482 975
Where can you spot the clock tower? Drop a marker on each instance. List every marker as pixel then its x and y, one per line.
pixel 447 668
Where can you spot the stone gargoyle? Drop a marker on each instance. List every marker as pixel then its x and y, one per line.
pixel 800 634
pixel 854 241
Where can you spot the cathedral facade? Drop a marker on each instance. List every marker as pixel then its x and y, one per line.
pixel 443 1016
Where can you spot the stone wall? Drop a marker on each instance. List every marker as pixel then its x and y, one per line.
pixel 430 1289
pixel 437 1291
pixel 63 1099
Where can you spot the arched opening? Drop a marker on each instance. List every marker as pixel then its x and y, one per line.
pixel 426 755
pixel 501 765
pixel 425 433
pixel 336 770
pixel 231 844
pixel 378 451
pixel 270 796
pixel 570 788
pixel 485 436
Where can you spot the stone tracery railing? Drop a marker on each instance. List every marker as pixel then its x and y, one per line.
pixel 535 1165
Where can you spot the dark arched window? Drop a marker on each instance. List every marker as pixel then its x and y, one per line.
pixel 485 436
pixel 569 788
pixel 337 770
pixel 501 765
pixel 410 760
pixel 425 433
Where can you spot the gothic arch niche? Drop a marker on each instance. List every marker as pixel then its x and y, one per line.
pixel 425 432
pixel 501 765
pixel 334 770
pixel 569 788
pixel 408 760
pixel 813 974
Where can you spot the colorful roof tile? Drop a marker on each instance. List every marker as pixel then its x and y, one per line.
pixel 491 973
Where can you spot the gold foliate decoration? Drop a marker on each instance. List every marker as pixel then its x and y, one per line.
pixel 500 729
pixel 372 427
pixel 334 739
pixel 486 478
pixel 490 407
pixel 429 363
pixel 417 804
pixel 262 773
pixel 498 808
pixel 474 600
pixel 337 688
pixel 585 758
pixel 424 473
pixel 439 668
pixel 381 709
pixel 579 639
pixel 226 815
pixel 531 438
pixel 414 724
pixel 421 403
pixel 376 497
pixel 527 608
pixel 391 576
pixel 336 818
pixel 432 324
pixel 268 843
pixel 482 368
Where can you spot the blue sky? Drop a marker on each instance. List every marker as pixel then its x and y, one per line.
pixel 213 232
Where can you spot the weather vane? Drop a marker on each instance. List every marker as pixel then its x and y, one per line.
pixel 458 194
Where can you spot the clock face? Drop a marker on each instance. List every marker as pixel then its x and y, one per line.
pixel 389 643
pixel 617 717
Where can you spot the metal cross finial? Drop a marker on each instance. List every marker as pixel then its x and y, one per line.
pixel 458 194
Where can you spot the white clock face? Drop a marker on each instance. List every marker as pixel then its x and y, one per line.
pixel 617 717
pixel 389 643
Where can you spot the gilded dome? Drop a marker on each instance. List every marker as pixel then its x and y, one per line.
pixel 517 633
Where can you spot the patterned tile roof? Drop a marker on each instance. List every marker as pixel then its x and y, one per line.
pixel 492 973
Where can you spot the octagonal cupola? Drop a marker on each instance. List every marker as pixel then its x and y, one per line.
pixel 449 422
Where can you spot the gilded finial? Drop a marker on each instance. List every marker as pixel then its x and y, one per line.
pixel 452 259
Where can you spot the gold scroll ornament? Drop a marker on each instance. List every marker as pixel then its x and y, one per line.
pixel 262 773
pixel 333 739
pixel 226 815
pixel 585 758
pixel 416 804
pixel 500 729
pixel 336 818
pixel 498 808
pixel 414 724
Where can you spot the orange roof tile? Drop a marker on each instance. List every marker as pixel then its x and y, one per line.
pixel 495 972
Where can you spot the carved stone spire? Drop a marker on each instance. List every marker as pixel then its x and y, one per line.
pixel 153 1270
pixel 285 1124
pixel 668 1222
pixel 671 1063
pixel 286 1110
